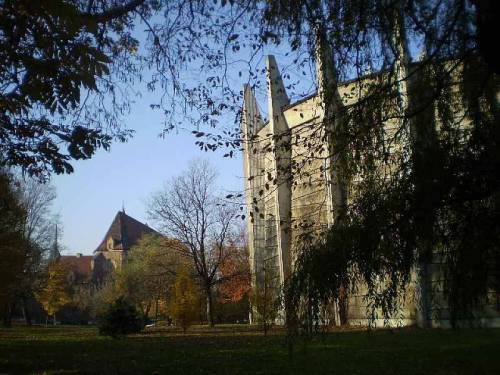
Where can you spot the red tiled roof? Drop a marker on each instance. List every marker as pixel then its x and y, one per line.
pixel 80 265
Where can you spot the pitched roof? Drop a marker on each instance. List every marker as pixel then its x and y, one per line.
pixel 125 231
pixel 80 265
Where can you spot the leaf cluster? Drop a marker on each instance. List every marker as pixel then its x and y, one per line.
pixel 55 57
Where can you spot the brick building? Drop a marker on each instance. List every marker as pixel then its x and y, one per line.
pixel 123 233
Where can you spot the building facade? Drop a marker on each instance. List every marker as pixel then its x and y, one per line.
pixel 123 233
pixel 289 190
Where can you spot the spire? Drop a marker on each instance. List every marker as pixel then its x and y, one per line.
pixel 333 121
pixel 251 118
pixel 277 99
pixel 123 206
pixel 276 96
pixel 326 75
pixel 54 252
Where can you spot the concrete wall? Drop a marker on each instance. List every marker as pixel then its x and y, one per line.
pixel 284 207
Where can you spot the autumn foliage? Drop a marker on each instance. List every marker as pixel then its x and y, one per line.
pixel 184 304
pixel 55 294
pixel 235 275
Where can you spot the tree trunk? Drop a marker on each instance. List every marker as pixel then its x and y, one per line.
pixel 26 313
pixel 7 321
pixel 210 306
pixel 10 314
pixel 54 317
pixel 264 310
pixel 343 307
pixel 156 309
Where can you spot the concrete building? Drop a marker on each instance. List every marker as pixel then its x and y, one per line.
pixel 289 189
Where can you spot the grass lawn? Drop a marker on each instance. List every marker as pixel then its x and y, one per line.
pixel 242 350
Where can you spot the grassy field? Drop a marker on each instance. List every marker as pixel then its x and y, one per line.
pixel 239 350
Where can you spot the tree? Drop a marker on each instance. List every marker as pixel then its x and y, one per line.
pixel 120 318
pixel 232 290
pixel 64 85
pixel 189 209
pixel 348 39
pixel 100 298
pixel 425 52
pixel 54 85
pixel 64 92
pixel 426 59
pixel 415 196
pixel 149 272
pixel 12 242
pixel 55 293
pixel 84 300
pixel 234 273
pixel 40 234
pixel 265 298
pixel 129 282
pixel 184 302
pixel 34 200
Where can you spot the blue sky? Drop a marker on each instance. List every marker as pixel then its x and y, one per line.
pixel 129 173
pixel 88 199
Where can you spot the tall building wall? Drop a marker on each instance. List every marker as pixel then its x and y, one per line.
pixel 289 192
pixel 287 188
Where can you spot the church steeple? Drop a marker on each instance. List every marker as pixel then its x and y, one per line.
pixel 55 254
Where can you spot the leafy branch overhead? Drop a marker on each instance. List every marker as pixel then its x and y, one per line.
pixel 69 67
pixel 59 61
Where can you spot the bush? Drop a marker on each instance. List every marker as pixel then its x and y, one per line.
pixel 120 318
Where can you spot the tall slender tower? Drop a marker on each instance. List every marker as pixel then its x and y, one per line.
pixel 251 124
pixel 55 254
pixel 267 156
pixel 277 99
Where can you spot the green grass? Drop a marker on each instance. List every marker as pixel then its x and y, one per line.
pixel 240 350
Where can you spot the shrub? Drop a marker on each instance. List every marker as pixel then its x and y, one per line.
pixel 120 318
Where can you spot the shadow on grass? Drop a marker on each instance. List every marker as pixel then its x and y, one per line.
pixel 243 350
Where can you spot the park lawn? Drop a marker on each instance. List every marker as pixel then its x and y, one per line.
pixel 242 350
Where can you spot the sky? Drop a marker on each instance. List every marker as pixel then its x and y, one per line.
pixel 88 199
pixel 127 175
